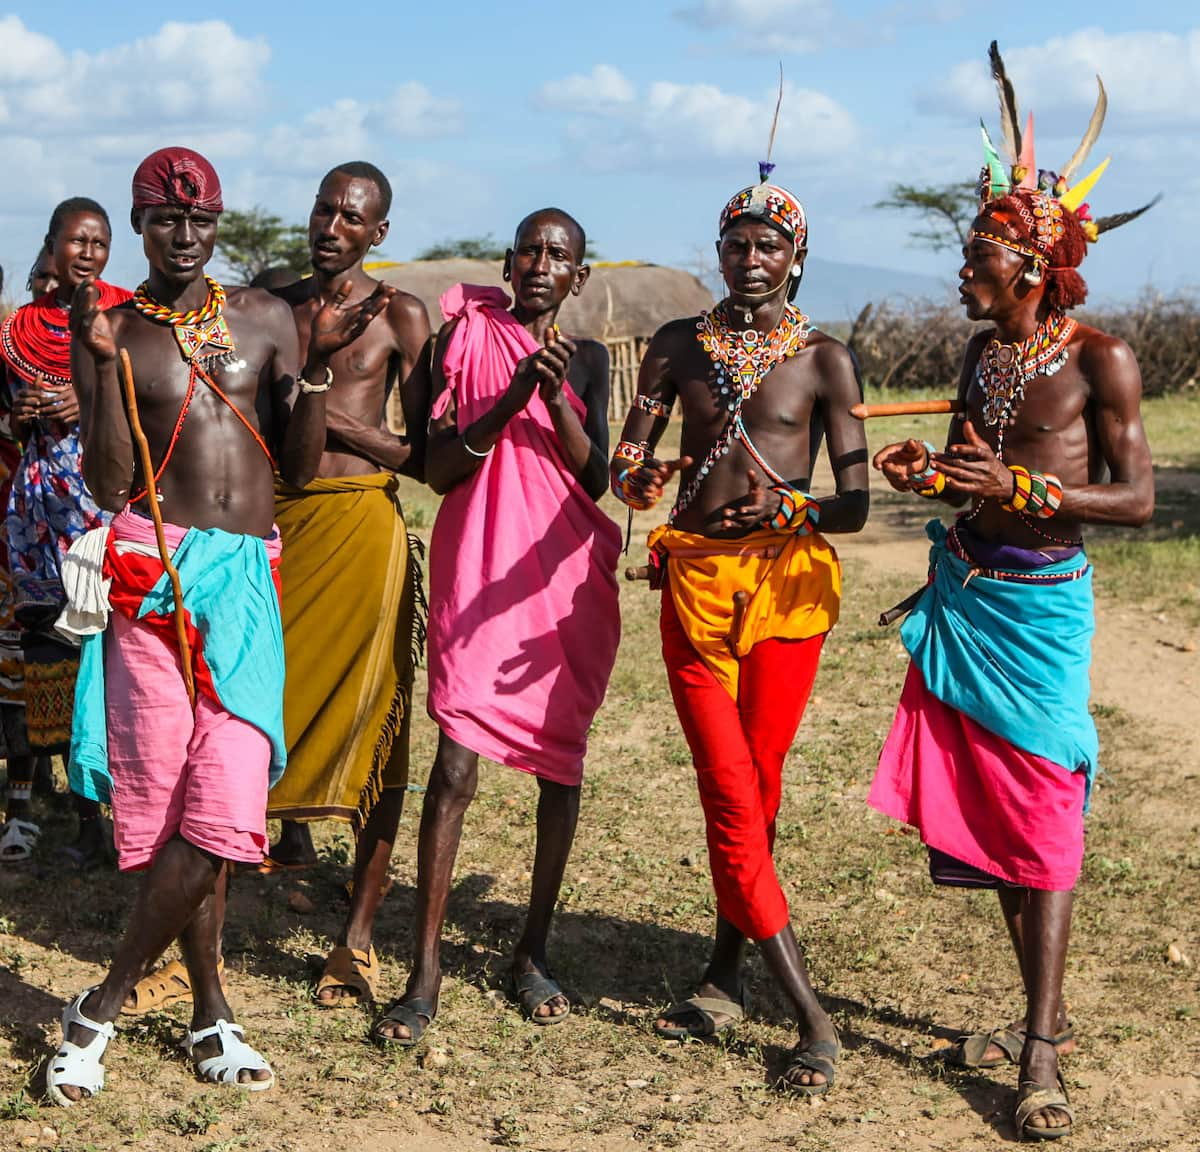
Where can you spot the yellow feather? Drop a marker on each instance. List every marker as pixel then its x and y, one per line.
pixel 1089 136
pixel 1077 193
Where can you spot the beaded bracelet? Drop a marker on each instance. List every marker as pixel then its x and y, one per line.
pixel 656 408
pixel 627 450
pixel 1034 493
pixel 798 511
pixel 929 483
pixel 623 489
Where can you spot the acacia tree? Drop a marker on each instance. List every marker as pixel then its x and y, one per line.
pixel 248 243
pixel 945 211
pixel 485 247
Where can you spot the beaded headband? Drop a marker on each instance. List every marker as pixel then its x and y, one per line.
pixel 1039 196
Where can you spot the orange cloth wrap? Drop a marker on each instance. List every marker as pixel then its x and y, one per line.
pixel 794 584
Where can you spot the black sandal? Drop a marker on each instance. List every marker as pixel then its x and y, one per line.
pixel 415 1013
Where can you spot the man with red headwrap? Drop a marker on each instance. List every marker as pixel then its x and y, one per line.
pixel 751 588
pixel 220 389
pixel 993 752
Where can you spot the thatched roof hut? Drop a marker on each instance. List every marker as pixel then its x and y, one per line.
pixel 620 302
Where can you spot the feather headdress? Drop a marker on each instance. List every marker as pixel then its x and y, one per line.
pixel 1017 171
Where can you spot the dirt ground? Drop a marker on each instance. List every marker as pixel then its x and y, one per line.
pixel 901 966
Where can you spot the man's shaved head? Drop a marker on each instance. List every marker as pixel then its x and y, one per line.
pixel 362 170
pixel 562 217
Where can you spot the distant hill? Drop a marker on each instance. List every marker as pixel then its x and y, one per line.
pixel 833 292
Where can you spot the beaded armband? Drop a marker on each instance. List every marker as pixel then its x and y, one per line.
pixel 656 408
pixel 798 511
pixel 1034 493
pixel 627 459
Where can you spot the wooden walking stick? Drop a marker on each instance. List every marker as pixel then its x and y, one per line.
pixel 905 408
pixel 143 445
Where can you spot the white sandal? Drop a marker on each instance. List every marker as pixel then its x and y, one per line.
pixel 236 1056
pixel 74 1064
pixel 19 840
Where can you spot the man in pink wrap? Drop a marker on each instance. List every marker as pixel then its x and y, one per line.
pixel 523 617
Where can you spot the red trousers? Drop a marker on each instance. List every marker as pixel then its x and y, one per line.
pixel 738 748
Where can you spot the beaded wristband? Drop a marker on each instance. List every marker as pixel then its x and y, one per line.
pixel 656 408
pixel 1034 493
pixel 929 483
pixel 627 450
pixel 798 512
pixel 1022 489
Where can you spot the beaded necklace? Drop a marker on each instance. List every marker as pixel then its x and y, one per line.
pixel 195 331
pixel 741 358
pixel 1004 371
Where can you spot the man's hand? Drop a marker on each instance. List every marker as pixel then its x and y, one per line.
pixel 546 369
pixel 900 462
pixel 551 390
pixel 90 326
pixel 338 324
pixel 973 467
pixel 650 478
pixel 752 509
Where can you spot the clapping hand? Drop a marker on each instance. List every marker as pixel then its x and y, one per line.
pixel 338 324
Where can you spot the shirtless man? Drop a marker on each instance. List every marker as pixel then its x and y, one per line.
pixel 350 584
pixel 993 759
pixel 217 386
pixel 752 589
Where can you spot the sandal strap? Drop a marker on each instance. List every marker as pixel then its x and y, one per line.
pixel 235 1055
pixel 73 1014
pixel 1039 1099
pixel 534 989
pixel 1051 1040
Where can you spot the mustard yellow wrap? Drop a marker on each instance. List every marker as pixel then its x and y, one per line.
pixel 794 584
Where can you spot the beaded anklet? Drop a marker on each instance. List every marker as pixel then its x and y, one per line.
pixel 798 511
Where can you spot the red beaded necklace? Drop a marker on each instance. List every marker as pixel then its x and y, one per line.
pixel 35 340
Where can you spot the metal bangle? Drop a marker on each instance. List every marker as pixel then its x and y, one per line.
pixel 471 451
pixel 308 388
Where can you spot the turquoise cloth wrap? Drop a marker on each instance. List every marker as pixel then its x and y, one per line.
pixel 229 595
pixel 1014 657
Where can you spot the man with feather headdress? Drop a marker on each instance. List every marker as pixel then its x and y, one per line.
pixel 993 752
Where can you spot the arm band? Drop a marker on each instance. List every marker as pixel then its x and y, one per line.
pixel 656 408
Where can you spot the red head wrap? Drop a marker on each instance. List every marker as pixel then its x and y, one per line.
pixel 177 176
pixel 1038 226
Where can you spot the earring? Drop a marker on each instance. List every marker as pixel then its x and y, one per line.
pixel 1034 276
pixel 796 270
pixel 507 276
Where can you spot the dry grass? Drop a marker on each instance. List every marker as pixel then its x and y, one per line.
pixel 899 964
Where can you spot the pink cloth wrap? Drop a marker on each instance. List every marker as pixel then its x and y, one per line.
pixel 201 776
pixel 978 798
pixel 523 613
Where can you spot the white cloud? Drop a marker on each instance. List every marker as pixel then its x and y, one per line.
pixel 603 87
pixel 200 74
pixel 411 111
pixel 1152 78
pixel 348 128
pixel 676 123
pixel 789 27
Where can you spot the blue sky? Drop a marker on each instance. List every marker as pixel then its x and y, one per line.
pixel 639 118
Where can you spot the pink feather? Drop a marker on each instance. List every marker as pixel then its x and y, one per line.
pixel 1027 160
